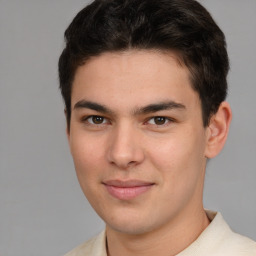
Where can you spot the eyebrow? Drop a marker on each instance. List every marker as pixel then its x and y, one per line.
pixel 93 106
pixel 151 108
pixel 159 107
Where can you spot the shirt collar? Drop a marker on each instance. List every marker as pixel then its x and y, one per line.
pixel 206 241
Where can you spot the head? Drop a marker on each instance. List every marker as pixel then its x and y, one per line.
pixel 144 83
pixel 180 26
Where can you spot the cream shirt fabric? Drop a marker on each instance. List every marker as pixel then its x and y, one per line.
pixel 216 240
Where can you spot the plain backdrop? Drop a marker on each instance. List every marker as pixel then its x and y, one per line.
pixel 42 209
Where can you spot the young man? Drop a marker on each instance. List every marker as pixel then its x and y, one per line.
pixel 144 85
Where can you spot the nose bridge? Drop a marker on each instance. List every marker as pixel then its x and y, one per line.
pixel 124 146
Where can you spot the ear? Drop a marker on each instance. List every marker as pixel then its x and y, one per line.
pixel 67 125
pixel 217 130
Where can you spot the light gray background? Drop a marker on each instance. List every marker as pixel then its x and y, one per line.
pixel 42 210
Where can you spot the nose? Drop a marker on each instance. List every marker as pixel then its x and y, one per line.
pixel 125 149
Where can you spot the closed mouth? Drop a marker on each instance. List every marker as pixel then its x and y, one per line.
pixel 127 190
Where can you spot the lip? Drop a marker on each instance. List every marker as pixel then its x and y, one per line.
pixel 127 190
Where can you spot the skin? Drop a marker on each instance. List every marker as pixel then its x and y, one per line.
pixel 136 118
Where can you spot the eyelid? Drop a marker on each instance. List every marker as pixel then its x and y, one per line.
pixel 168 121
pixel 106 120
pixel 85 119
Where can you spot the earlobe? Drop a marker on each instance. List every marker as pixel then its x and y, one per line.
pixel 218 130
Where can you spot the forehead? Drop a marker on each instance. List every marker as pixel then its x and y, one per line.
pixel 132 77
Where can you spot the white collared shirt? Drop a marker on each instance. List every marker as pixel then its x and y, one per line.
pixel 216 240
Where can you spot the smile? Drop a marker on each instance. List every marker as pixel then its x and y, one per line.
pixel 127 190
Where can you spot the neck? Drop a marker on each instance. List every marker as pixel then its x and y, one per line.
pixel 169 240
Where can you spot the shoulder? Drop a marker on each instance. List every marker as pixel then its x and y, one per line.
pixel 219 240
pixel 93 247
pixel 238 245
pixel 228 242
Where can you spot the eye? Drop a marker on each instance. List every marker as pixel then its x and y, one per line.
pixel 158 120
pixel 96 120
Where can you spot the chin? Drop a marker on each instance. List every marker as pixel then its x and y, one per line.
pixel 130 229
pixel 132 225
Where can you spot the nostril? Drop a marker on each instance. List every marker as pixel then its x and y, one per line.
pixel 131 163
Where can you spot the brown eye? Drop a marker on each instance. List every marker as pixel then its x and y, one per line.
pixel 96 120
pixel 159 120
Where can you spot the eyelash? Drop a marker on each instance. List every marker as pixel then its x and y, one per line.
pixel 86 119
pixel 166 121
pixel 89 120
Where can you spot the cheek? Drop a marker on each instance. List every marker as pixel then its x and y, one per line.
pixel 179 162
pixel 88 160
pixel 180 156
pixel 87 155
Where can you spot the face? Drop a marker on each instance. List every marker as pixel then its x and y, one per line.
pixel 137 139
